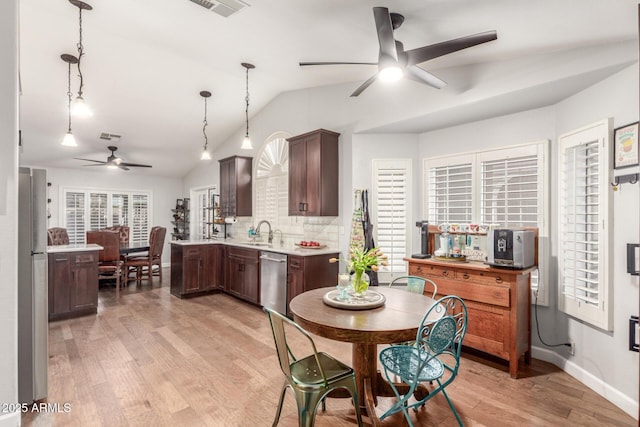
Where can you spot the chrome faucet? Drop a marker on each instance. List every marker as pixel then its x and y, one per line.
pixel 281 238
pixel 270 235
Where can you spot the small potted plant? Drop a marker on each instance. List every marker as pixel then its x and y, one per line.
pixel 359 262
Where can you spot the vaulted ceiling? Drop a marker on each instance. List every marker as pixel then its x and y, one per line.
pixel 147 60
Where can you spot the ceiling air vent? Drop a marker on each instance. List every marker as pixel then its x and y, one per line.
pixel 223 8
pixel 109 136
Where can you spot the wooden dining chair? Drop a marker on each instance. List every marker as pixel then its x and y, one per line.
pixel 311 378
pixel 110 266
pixel 124 233
pixel 143 265
pixel 57 236
pixel 435 357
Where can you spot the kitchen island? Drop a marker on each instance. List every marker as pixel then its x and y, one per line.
pixel 72 280
pixel 204 266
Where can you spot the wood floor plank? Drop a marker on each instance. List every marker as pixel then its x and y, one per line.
pixel 151 359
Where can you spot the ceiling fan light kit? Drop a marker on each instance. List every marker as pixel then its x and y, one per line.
pixel 205 152
pixel 113 161
pixel 246 142
pixel 394 62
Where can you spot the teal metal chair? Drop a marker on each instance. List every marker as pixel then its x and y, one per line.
pixel 312 377
pixel 434 357
pixel 415 284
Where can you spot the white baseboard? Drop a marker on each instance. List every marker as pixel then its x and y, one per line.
pixel 10 419
pixel 621 400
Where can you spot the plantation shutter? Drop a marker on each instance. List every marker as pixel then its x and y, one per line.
pixel 392 215
pixel 75 216
pixel 120 209
pixel 450 189
pixel 509 195
pixel 140 219
pixel 583 216
pixel 97 211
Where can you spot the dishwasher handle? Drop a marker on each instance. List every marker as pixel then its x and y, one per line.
pixel 268 258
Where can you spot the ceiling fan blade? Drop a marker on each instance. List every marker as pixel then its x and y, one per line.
pixel 385 33
pixel 425 53
pixel 90 160
pixel 100 164
pixel 418 74
pixel 365 85
pixel 303 64
pixel 124 168
pixel 137 165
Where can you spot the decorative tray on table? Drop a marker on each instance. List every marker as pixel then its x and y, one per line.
pixel 371 299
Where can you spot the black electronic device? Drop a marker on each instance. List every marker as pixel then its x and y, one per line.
pixel 423 226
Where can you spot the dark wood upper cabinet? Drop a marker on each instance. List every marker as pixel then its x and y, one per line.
pixel 313 174
pixel 235 186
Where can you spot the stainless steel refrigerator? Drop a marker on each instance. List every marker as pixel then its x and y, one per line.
pixel 33 322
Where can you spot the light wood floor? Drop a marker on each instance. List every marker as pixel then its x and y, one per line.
pixel 156 360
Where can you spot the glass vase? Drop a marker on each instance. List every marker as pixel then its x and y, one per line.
pixel 360 283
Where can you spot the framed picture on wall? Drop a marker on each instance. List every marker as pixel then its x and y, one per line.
pixel 625 146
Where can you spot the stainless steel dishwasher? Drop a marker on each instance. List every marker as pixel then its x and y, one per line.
pixel 273 281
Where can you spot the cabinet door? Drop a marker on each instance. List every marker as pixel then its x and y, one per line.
pixel 314 175
pixel 235 267
pixel 192 269
pixel 212 267
pixel 297 177
pixel 83 292
pixel 295 278
pixel 250 281
pixel 59 279
pixel 224 188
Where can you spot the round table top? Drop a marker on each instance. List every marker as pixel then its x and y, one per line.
pixel 397 320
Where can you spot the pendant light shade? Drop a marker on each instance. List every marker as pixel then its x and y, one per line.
pixel 205 152
pixel 80 108
pixel 69 140
pixel 246 142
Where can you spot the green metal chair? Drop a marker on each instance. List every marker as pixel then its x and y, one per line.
pixel 415 284
pixel 311 378
pixel 435 357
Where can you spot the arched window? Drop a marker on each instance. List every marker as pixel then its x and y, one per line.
pixel 271 180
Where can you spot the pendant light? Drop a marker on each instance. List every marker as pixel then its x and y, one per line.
pixel 205 153
pixel 246 142
pixel 69 140
pixel 80 108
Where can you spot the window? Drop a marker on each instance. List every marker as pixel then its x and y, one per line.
pixel 204 212
pixel 272 181
pixel 507 187
pixel 584 285
pixel 391 194
pixel 85 210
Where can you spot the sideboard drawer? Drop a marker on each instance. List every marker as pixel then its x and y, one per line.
pixel 430 270
pixel 486 294
pixel 470 276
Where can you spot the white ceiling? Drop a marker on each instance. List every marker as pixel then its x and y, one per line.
pixel 147 60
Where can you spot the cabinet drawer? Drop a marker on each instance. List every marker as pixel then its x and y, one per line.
pixel 487 294
pixel 434 272
pixel 86 258
pixel 470 276
pixel 296 262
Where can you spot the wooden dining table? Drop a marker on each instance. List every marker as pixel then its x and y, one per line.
pixel 395 321
pixel 129 249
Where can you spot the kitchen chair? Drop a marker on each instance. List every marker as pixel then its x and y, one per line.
pixel 435 357
pixel 109 262
pixel 312 377
pixel 143 265
pixel 123 231
pixel 57 236
pixel 415 284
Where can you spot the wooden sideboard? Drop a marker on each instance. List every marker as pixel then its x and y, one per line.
pixel 498 303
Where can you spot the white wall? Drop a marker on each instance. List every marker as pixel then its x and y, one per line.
pixel 602 354
pixel 164 192
pixel 9 208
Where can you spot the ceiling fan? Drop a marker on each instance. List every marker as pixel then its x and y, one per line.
pixel 114 161
pixel 394 61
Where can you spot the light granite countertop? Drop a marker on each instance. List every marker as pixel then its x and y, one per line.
pixel 73 248
pixel 285 249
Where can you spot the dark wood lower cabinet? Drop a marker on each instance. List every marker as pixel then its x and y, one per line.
pixel 243 269
pixel 309 272
pixel 73 284
pixel 196 269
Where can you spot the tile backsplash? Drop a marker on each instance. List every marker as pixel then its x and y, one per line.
pixel 294 229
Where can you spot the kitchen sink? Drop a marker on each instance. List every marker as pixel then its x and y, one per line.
pixel 258 243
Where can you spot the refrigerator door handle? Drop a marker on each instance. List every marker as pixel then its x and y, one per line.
pixel 37 253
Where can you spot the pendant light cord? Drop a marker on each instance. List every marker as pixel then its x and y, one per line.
pixel 69 95
pixel 80 53
pixel 204 125
pixel 246 111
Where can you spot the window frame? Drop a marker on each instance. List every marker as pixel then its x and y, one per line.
pixel 109 209
pixel 600 314
pixel 540 148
